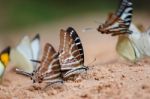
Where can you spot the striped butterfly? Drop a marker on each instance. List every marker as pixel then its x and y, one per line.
pixel 129 44
pixel 119 22
pixel 25 51
pixel 4 60
pixel 67 62
pixel 49 70
pixel 71 53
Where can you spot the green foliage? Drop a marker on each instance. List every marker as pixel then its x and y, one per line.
pixel 16 14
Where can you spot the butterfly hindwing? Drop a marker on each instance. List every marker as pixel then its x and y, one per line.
pixel 125 48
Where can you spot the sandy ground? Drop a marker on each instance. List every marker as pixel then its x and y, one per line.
pixel 109 77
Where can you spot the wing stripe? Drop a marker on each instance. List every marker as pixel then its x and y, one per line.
pixel 75 37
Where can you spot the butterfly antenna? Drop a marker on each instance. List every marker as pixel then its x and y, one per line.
pixel 35 61
pixel 87 29
pixel 92 61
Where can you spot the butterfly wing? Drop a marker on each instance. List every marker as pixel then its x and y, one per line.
pixel 4 60
pixel 77 42
pixel 124 14
pixel 126 49
pixel 21 55
pixel 49 70
pixel 35 46
pixel 144 42
pixel 125 11
pixel 71 52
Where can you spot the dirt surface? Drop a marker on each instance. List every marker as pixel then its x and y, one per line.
pixel 109 77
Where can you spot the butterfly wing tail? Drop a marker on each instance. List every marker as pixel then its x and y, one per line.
pixel 75 71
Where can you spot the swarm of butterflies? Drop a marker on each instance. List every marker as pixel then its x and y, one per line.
pixel 55 66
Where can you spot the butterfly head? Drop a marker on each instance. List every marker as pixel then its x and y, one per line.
pixel 37 78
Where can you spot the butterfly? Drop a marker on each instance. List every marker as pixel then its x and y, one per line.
pixel 71 53
pixel 4 60
pixel 25 51
pixel 130 40
pixel 68 61
pixel 119 22
pixel 49 69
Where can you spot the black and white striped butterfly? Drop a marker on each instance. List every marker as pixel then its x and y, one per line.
pixel 25 51
pixel 119 22
pixel 69 61
pixel 132 45
pixel 71 53
pixel 49 69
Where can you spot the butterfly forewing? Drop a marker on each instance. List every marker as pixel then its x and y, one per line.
pixel 125 11
pixel 26 51
pixel 77 42
pixel 49 70
pixel 67 53
pixel 71 52
pixel 35 46
pixel 70 56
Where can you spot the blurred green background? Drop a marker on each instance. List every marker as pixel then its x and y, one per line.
pixel 20 14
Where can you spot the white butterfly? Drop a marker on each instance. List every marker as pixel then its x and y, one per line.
pixel 26 51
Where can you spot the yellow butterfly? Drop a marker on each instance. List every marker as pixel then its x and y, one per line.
pixel 4 60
